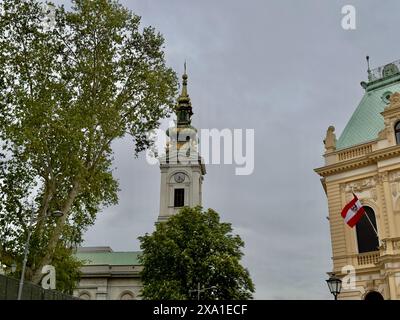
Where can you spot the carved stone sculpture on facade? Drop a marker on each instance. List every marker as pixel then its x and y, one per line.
pixel 330 140
pixel 394 100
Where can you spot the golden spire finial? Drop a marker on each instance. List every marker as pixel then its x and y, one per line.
pixel 184 107
pixel 184 82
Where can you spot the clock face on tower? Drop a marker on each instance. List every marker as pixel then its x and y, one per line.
pixel 179 177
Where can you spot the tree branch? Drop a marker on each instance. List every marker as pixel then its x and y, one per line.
pixel 48 194
pixel 57 231
pixel 20 218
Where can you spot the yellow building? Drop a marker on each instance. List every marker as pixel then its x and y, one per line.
pixel 366 160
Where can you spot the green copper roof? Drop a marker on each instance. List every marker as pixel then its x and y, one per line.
pixel 366 121
pixel 109 258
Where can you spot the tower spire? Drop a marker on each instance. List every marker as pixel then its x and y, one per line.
pixel 184 108
pixel 184 82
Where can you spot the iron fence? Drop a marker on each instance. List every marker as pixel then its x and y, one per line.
pixel 9 291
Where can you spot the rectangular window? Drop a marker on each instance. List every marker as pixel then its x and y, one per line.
pixel 179 197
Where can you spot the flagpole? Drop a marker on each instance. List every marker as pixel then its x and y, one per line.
pixel 372 225
pixel 369 220
pixel 354 211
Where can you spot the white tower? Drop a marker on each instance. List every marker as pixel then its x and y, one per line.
pixel 182 168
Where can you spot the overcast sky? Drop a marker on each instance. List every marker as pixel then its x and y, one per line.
pixel 288 70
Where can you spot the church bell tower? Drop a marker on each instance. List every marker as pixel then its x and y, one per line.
pixel 182 168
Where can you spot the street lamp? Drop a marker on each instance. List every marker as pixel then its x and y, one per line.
pixel 7 270
pixel 335 285
pixel 55 214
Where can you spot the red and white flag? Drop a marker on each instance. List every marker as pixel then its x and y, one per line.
pixel 353 212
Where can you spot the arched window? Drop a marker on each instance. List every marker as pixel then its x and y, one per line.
pixel 367 239
pixel 397 132
pixel 127 295
pixel 373 295
pixel 84 295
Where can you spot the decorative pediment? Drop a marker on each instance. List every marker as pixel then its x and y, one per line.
pixel 365 189
pixel 393 107
pixel 394 100
pixel 357 186
pixel 391 116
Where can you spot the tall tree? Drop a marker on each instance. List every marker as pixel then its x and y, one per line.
pixel 70 84
pixel 193 247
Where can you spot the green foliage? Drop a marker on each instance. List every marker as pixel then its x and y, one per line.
pixel 67 270
pixel 194 247
pixel 66 93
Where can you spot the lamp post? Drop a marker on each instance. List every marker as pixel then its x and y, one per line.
pixel 55 214
pixel 7 270
pixel 200 290
pixel 335 285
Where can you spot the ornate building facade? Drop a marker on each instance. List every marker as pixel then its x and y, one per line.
pixel 109 275
pixel 365 160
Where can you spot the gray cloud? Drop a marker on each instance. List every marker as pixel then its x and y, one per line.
pixel 288 70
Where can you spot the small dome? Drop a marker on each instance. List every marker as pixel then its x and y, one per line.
pixel 182 134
